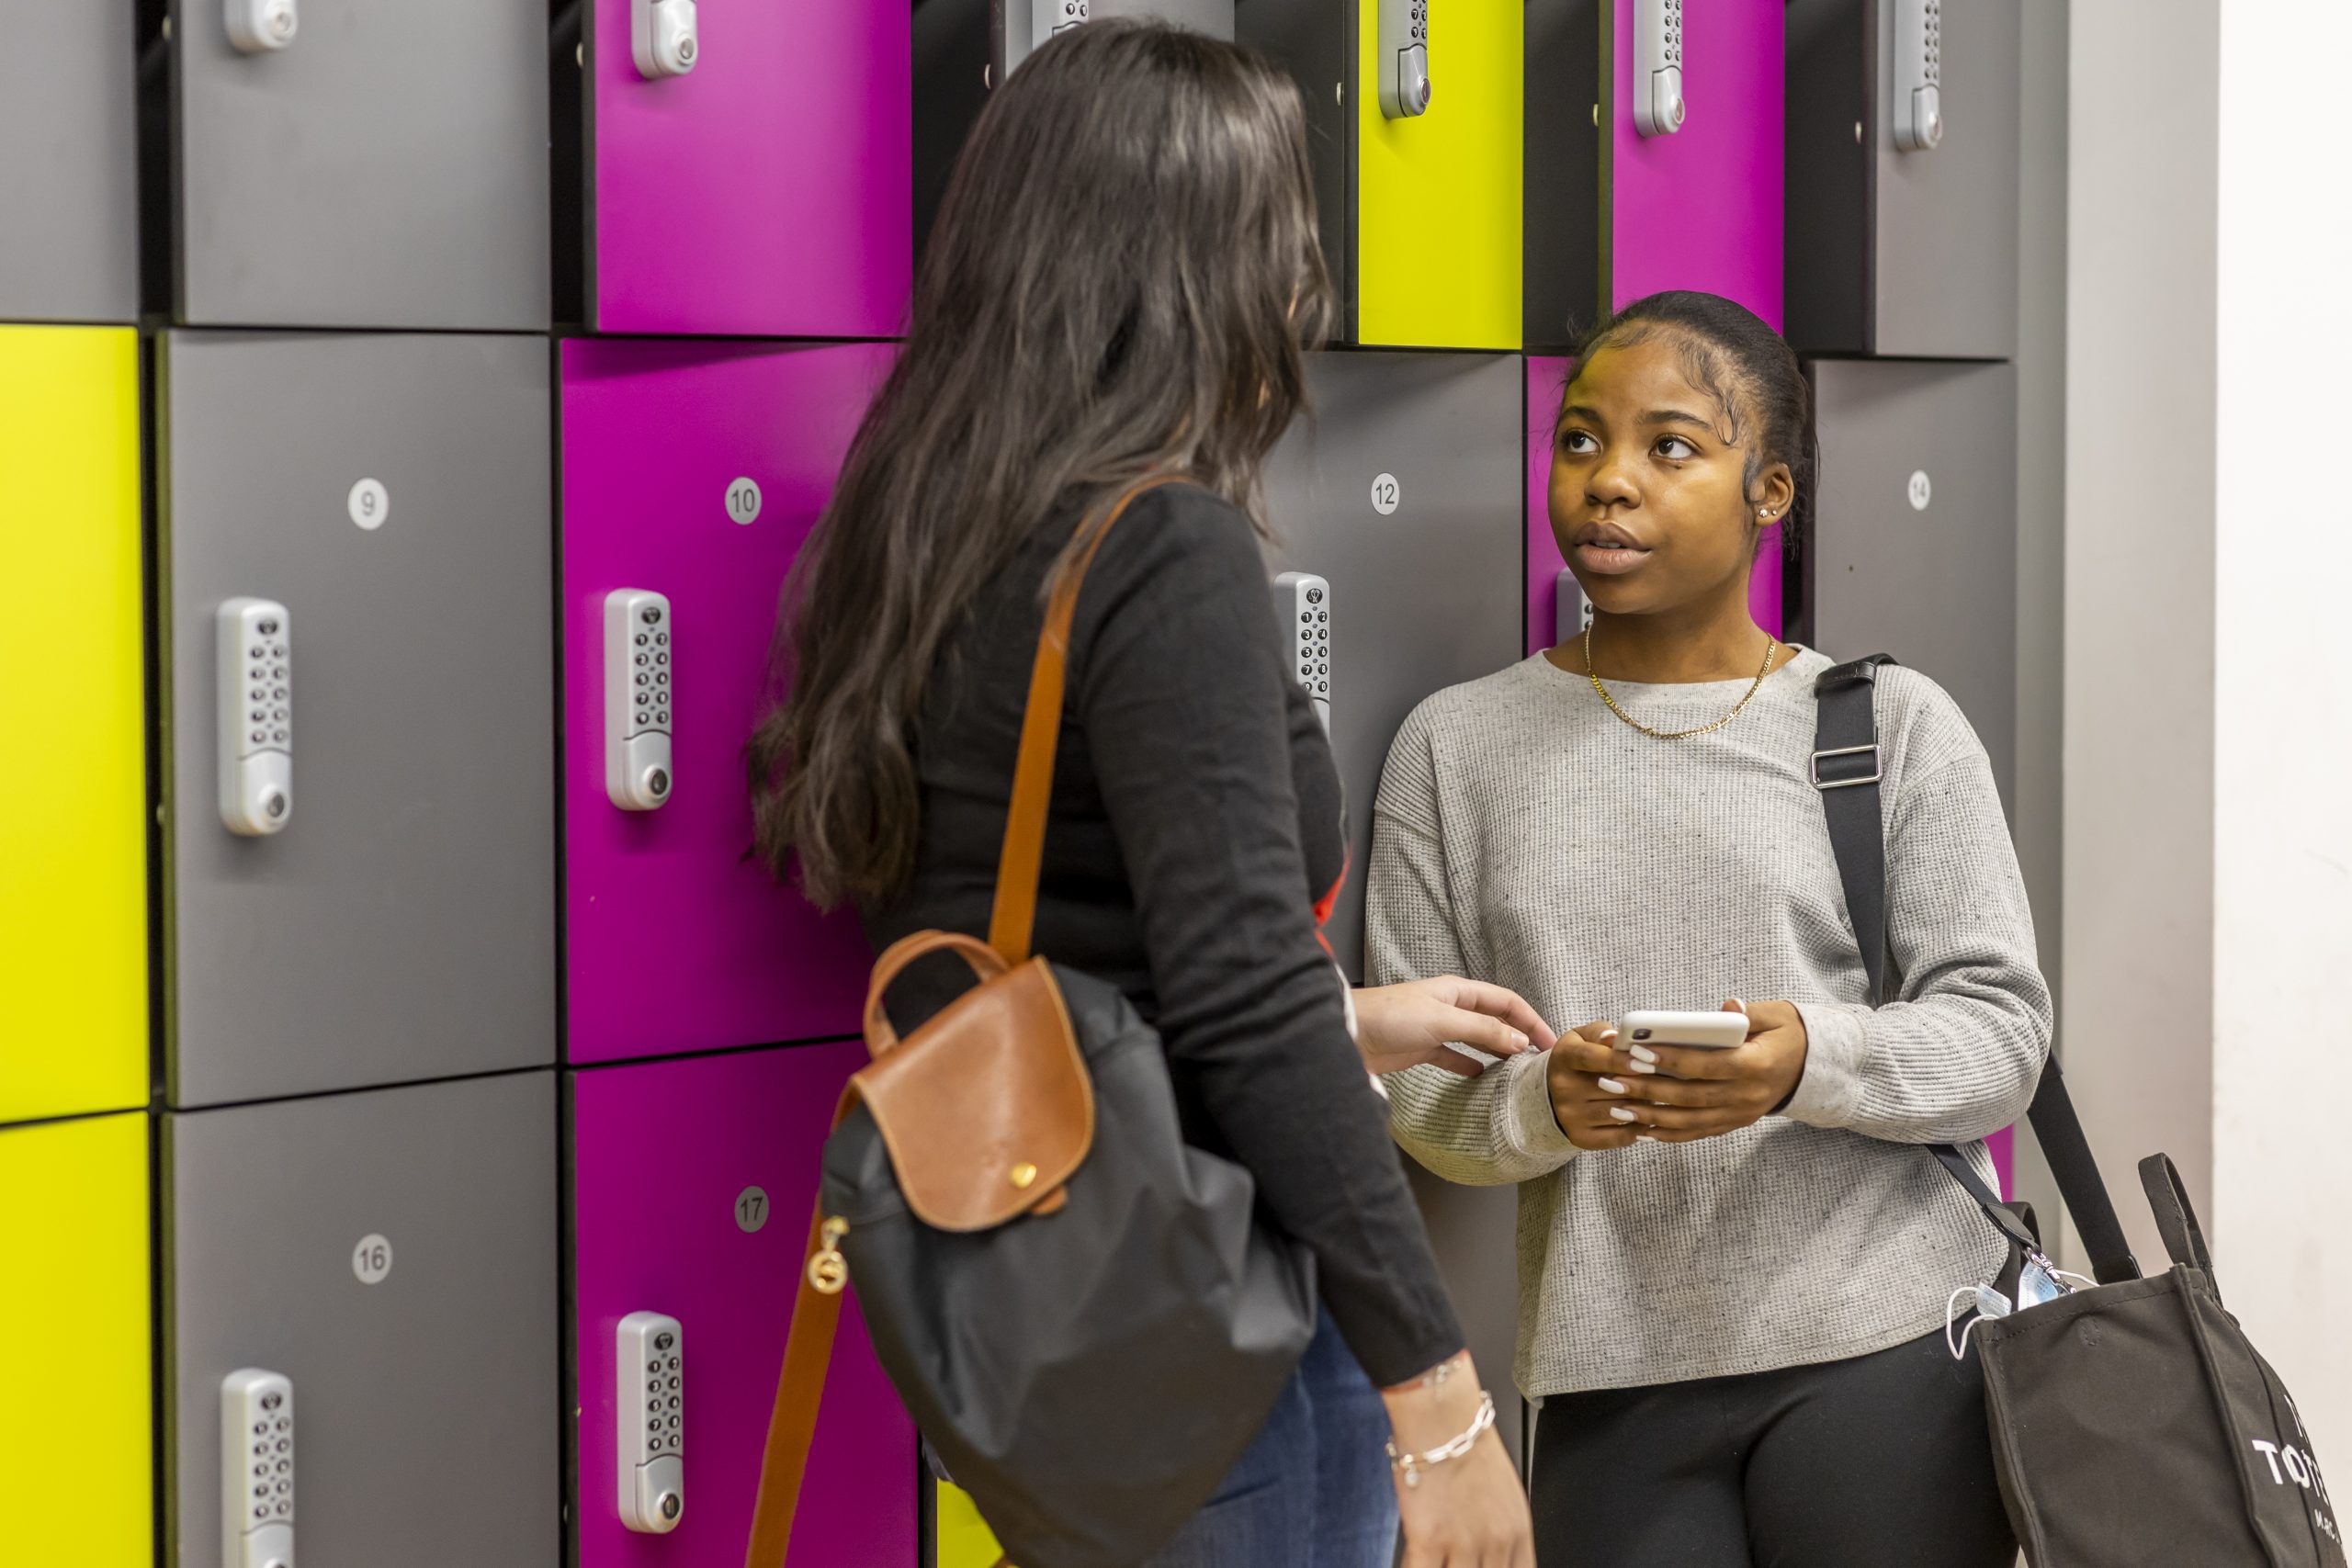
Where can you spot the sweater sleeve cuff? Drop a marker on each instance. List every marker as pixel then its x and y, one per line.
pixel 1534 1128
pixel 1837 1041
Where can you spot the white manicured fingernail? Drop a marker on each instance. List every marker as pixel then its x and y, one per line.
pixel 1641 1067
pixel 1620 1113
pixel 1740 1005
pixel 1644 1138
pixel 1643 1053
pixel 1614 1086
pixel 1608 1035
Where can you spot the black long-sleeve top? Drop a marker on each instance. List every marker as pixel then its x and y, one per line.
pixel 1195 830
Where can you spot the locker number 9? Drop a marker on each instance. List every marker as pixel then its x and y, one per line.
pixel 751 1210
pixel 371 1259
pixel 370 503
pixel 1386 494
pixel 743 501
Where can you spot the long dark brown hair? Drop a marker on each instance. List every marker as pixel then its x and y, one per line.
pixel 1121 281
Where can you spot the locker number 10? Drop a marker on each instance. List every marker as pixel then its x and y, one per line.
pixel 743 501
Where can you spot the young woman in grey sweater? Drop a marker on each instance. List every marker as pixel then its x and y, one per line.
pixel 1734 1264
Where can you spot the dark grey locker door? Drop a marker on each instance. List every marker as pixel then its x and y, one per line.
pixel 1895 253
pixel 1423 597
pixel 1946 260
pixel 1934 584
pixel 401 925
pixel 425 1403
pixel 1315 40
pixel 68 163
pixel 1566 224
pixel 1426 596
pixel 389 168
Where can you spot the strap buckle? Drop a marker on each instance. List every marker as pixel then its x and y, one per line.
pixel 1870 750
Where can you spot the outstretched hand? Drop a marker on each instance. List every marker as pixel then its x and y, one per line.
pixel 1418 1022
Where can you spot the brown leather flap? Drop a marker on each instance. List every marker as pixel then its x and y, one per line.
pixel 986 1108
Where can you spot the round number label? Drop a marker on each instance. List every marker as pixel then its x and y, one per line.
pixel 1922 491
pixel 743 501
pixel 751 1210
pixel 370 503
pixel 371 1259
pixel 1386 494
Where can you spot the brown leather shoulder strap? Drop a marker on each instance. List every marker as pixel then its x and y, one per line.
pixel 1016 913
pixel 799 1390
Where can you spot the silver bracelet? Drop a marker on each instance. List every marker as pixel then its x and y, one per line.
pixel 1413 1464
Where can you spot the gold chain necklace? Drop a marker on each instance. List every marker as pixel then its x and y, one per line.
pixel 1771 647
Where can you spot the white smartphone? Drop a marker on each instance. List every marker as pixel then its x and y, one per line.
pixel 1705 1031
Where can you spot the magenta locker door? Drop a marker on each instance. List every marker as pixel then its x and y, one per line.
pixel 1546 374
pixel 694 472
pixel 768 190
pixel 1701 208
pixel 692 1182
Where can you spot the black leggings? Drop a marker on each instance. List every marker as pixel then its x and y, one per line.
pixel 1883 1461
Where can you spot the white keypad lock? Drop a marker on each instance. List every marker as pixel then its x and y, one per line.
pixel 1402 58
pixel 253 649
pixel 1659 109
pixel 1047 17
pixel 257 1470
pixel 1918 74
pixel 663 37
pixel 638 680
pixel 648 1369
pixel 258 26
pixel 1571 611
pixel 1303 609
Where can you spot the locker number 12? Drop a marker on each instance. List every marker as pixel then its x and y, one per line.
pixel 1386 494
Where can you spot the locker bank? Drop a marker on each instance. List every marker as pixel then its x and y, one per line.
pixel 412 415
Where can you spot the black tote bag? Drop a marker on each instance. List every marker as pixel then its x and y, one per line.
pixel 2133 1424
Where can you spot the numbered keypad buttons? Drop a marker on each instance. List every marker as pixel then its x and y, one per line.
pixel 257 1470
pixel 255 706
pixel 639 681
pixel 649 1371
pixel 1303 606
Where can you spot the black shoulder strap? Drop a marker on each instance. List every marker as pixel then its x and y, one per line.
pixel 1845 771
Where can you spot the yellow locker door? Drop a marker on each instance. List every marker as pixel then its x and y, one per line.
pixel 74 1304
pixel 1438 194
pixel 73 901
pixel 964 1539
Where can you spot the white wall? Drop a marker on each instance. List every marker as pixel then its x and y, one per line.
pixel 2135 1024
pixel 2208 826
pixel 2281 1212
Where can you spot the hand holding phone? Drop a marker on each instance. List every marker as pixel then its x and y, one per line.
pixel 1693 1075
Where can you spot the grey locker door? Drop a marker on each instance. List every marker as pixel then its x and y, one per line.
pixel 1934 586
pixel 1893 253
pixel 401 925
pixel 1947 219
pixel 68 163
pixel 1424 597
pixel 426 1404
pixel 1427 596
pixel 389 168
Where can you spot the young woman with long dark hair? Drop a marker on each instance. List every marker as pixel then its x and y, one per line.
pixel 1120 282
pixel 1735 1263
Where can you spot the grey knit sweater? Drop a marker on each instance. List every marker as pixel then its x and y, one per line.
pixel 1524 836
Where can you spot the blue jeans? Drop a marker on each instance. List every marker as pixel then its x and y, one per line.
pixel 1313 1490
